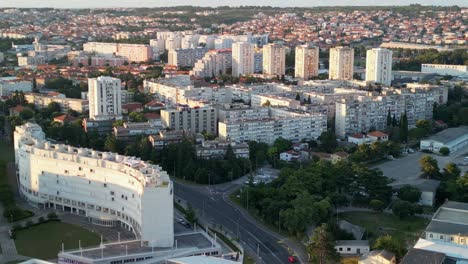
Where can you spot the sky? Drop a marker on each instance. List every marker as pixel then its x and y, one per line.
pixel 159 3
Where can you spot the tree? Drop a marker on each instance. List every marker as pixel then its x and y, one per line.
pixel 404 127
pixel 444 151
pixel 328 141
pixel 190 214
pixel 298 97
pixel 267 103
pixel 451 171
pixel 322 246
pixel 404 209
pixel 377 205
pixel 388 243
pixel 429 167
pixel 309 100
pixel 53 107
pixel 26 114
pixel 112 144
pixel 389 120
pixel 409 193
pixel 282 144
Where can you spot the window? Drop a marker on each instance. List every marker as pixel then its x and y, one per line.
pixel 431 236
pixel 441 237
pixel 451 238
pixel 348 249
pixel 340 249
pixel 105 185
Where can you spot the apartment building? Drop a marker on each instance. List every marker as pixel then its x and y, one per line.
pixel 445 69
pixel 107 188
pixel 214 63
pixel 105 100
pixel 217 149
pixel 9 85
pixel 379 66
pixel 43 100
pixel 306 62
pixel 369 112
pixel 274 59
pixel 195 120
pixel 131 52
pixel 341 63
pixel 186 57
pixel 242 59
pixel 262 126
pixel 258 60
pixel 447 232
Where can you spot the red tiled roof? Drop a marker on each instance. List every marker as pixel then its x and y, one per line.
pixel 152 116
pixel 132 106
pixel 357 135
pixel 377 134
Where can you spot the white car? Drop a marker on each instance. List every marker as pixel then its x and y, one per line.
pixel 465 159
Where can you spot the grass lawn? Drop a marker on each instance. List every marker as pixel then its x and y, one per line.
pixel 405 230
pixel 248 260
pixel 45 241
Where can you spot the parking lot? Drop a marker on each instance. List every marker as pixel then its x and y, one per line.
pixel 406 169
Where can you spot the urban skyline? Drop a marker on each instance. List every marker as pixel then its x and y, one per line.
pixel 208 3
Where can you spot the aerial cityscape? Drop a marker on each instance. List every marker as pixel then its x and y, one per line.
pixel 193 133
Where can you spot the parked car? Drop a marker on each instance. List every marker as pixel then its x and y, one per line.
pixel 292 259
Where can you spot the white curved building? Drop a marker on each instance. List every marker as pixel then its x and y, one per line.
pixel 108 188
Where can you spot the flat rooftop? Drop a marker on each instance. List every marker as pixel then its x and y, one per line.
pixel 449 134
pixel 184 241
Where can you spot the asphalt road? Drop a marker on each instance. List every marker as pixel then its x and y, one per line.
pixel 211 205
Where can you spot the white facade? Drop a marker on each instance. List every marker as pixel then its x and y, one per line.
pixel 445 69
pixel 107 188
pixel 307 62
pixel 8 85
pixel 43 100
pixel 341 63
pixel 242 58
pixel 267 126
pixel 379 66
pixel 214 63
pixel 274 59
pixel 105 98
pixel 186 57
pixel 131 52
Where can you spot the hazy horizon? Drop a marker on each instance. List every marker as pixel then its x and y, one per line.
pixel 210 3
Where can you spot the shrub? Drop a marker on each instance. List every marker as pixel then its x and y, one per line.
pixel 376 205
pixel 29 224
pixel 17 226
pixel 444 151
pixel 52 216
pixel 41 219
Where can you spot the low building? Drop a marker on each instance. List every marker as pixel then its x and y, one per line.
pixel 63 119
pixel 43 100
pixel 15 111
pixel 154 105
pixel 102 127
pixel 217 149
pixel 290 155
pixel 447 232
pixel 377 136
pixel 428 190
pixel 352 247
pixel 358 139
pixel 453 138
pixel 130 131
pixel 132 107
pixel 423 256
pixel 445 69
pixel 369 138
pixel 378 257
pixel 164 138
pixel 200 260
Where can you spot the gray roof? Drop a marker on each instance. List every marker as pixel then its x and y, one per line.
pixel 449 134
pixel 352 243
pixel 423 256
pixel 428 185
pixel 455 205
pixel 447 228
